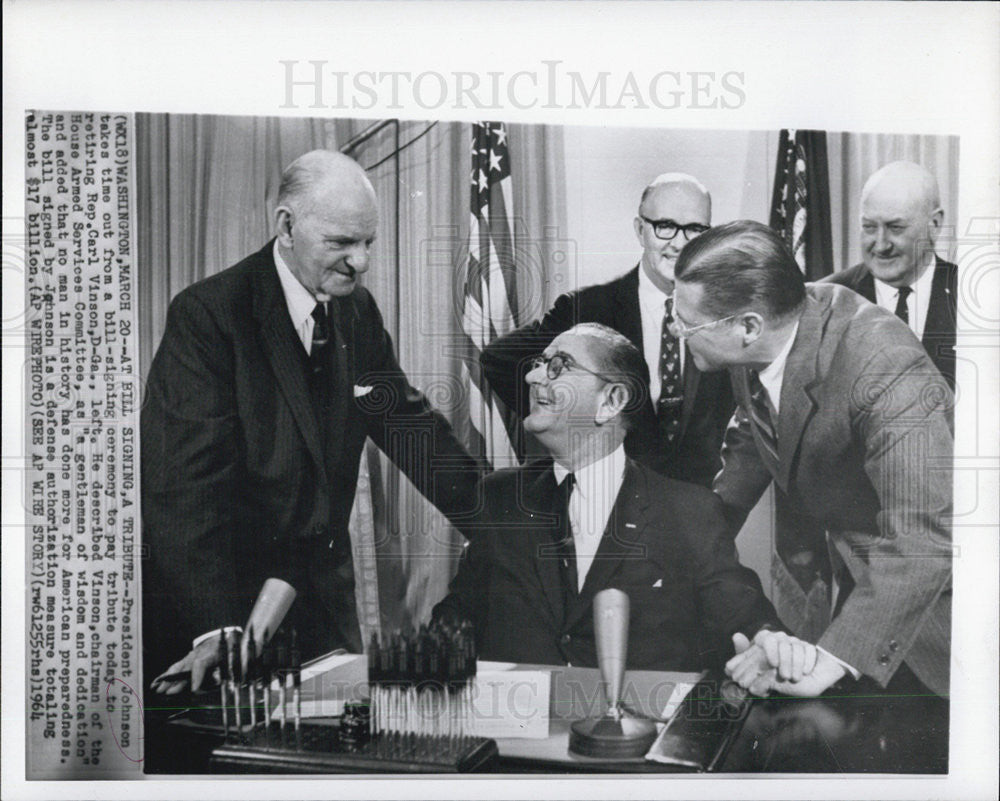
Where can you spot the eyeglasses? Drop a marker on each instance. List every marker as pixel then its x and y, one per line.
pixel 557 362
pixel 667 230
pixel 682 331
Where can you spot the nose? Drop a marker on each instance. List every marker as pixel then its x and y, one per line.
pixel 359 257
pixel 536 375
pixel 882 241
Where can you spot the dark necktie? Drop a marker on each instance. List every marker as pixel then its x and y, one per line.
pixel 668 406
pixel 566 549
pixel 760 411
pixel 320 367
pixel 902 312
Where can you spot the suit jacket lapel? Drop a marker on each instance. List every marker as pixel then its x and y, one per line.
pixel 283 350
pixel 797 405
pixel 865 285
pixel 626 315
pixel 941 312
pixel 692 377
pixel 626 526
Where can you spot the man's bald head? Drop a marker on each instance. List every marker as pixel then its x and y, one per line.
pixel 674 200
pixel 326 220
pixel 323 176
pixel 901 219
pixel 679 182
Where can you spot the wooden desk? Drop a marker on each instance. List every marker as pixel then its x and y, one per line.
pixel 861 730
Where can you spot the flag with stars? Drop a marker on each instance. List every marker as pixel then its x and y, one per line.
pixel 490 287
pixel 800 201
pixel 800 212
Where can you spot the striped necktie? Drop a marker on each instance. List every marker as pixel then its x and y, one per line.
pixel 760 412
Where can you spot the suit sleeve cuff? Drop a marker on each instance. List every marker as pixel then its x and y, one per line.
pixel 210 635
pixel 852 670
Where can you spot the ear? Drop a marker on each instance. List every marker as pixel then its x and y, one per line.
pixel 637 226
pixel 613 404
pixel 283 226
pixel 750 326
pixel 934 225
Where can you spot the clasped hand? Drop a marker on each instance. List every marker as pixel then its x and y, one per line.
pixel 777 661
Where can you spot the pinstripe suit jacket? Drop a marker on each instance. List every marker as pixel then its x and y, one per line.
pixel 865 449
pixel 234 479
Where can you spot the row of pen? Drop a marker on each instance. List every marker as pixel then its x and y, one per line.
pixel 256 688
pixel 422 682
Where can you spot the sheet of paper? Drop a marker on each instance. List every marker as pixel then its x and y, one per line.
pixel 512 703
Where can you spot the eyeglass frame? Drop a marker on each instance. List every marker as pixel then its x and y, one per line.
pixel 683 331
pixel 698 228
pixel 568 363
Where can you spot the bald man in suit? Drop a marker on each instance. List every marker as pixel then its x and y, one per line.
pixel 901 217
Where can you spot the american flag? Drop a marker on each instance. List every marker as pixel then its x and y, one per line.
pixel 490 286
pixel 800 201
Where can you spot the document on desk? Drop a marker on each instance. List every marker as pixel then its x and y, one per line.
pixel 512 703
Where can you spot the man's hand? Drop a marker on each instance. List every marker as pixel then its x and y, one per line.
pixel 200 661
pixel 777 661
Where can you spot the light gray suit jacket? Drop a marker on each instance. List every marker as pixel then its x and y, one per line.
pixel 865 448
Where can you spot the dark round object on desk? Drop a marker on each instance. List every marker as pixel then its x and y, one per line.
pixel 607 737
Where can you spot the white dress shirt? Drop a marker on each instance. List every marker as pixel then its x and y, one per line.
pixel 651 308
pixel 594 495
pixel 917 303
pixel 772 376
pixel 299 299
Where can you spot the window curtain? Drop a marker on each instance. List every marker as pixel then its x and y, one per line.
pixel 854 157
pixel 206 190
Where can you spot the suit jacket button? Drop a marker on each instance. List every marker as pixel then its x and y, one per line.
pixel 893 646
pixel 883 659
pixel 319 529
pixel 565 639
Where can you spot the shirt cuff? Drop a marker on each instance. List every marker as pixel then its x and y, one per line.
pixel 209 635
pixel 853 671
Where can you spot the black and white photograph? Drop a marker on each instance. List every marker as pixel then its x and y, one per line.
pixel 635 436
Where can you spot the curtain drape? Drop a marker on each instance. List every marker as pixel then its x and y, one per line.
pixel 854 157
pixel 206 190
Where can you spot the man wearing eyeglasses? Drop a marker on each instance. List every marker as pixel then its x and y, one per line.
pixel 679 427
pixel 560 529
pixel 841 407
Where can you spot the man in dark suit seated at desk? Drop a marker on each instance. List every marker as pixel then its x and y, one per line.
pixel 558 530
pixel 679 425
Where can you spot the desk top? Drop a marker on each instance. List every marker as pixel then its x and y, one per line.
pixel 860 730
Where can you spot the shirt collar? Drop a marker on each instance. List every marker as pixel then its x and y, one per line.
pixel 299 300
pixel 921 287
pixel 595 473
pixel 772 375
pixel 650 295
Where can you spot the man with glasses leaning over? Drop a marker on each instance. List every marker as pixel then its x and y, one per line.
pixel 841 407
pixel 679 426
pixel 558 530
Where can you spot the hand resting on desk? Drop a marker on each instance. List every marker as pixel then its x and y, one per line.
pixel 780 662
pixel 200 661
